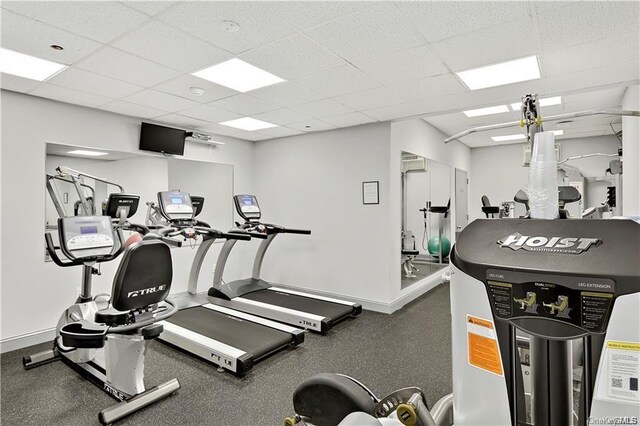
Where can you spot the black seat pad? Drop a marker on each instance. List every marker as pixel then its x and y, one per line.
pixel 410 252
pixel 328 398
pixel 111 317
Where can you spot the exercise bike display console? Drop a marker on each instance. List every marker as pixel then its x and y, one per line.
pixel 86 236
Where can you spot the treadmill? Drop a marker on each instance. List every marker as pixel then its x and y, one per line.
pixel 225 337
pixel 258 297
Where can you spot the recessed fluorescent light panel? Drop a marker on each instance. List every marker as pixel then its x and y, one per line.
pixel 238 75
pixel 500 74
pixel 506 138
pixel 27 66
pixel 87 153
pixel 486 111
pixel 556 100
pixel 520 136
pixel 248 123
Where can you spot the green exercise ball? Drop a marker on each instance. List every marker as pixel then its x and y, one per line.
pixel 434 245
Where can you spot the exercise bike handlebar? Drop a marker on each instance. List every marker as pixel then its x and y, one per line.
pixel 297 231
pixel 51 249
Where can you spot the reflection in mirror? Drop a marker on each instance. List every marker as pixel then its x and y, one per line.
pixel 141 174
pixel 426 194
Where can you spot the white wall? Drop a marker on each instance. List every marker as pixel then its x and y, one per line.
pixel 314 181
pixel 34 294
pixel 497 171
pixel 418 137
pixel 631 154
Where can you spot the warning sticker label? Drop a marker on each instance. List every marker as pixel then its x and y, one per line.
pixel 623 359
pixel 482 345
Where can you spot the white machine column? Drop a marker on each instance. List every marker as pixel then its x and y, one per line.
pixel 631 154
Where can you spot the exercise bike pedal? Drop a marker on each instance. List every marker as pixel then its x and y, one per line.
pixel 391 402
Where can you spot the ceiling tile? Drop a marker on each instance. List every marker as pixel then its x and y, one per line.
pixel 487 46
pixel 338 81
pixel 620 73
pixel 312 126
pixel 171 47
pixel 587 21
pixel 149 7
pixel 124 66
pixel 370 98
pixel 160 100
pixel 367 33
pixel 394 111
pixel 181 121
pixel 457 101
pixel 282 116
pixel 322 108
pixel 305 14
pixel 203 19
pixel 250 136
pixel 244 104
pixel 349 119
pixel 180 87
pixel 71 96
pixel 437 20
pixel 85 81
pixel 210 114
pixel 286 94
pixel 292 57
pixel 596 54
pixel 408 64
pixel 17 84
pixel 280 132
pixel 26 35
pixel 133 110
pixel 98 20
pixel 445 84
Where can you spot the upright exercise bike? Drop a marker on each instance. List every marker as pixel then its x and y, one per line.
pixel 108 346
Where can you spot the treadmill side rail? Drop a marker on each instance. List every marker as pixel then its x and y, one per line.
pixel 225 356
pixel 357 308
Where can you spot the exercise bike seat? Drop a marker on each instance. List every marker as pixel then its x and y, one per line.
pixel 326 399
pixel 111 317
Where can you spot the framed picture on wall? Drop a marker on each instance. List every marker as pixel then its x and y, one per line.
pixel 370 192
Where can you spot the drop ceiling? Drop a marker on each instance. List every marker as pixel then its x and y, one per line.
pixel 346 63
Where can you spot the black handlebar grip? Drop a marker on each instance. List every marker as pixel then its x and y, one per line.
pixel 52 252
pixel 298 231
pixel 235 236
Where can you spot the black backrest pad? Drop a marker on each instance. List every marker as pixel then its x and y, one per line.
pixel 485 201
pixel 144 276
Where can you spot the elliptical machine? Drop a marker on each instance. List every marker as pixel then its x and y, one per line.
pixel 107 346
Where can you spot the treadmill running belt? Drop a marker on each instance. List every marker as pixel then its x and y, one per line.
pixel 330 310
pixel 250 337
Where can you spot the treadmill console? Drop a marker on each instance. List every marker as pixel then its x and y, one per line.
pixel 175 205
pixel 86 236
pixel 117 204
pixel 247 207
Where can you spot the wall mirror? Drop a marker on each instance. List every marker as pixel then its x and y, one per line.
pixel 426 218
pixel 134 173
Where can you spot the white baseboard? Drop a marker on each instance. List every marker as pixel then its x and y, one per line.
pixel 417 290
pixel 18 342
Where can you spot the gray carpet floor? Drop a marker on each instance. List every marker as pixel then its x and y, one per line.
pixel 411 347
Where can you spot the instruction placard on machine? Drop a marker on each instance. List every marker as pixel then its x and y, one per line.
pixel 623 370
pixel 482 345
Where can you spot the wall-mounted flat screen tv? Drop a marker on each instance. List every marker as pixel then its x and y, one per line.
pixel 162 139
